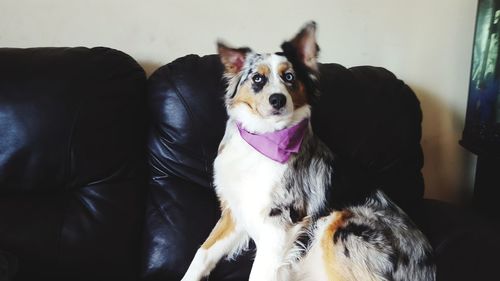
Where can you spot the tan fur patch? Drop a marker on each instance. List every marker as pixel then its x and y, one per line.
pixel 247 97
pixel 299 95
pixel 332 266
pixel 222 229
pixel 283 67
pixel 263 70
pixel 298 92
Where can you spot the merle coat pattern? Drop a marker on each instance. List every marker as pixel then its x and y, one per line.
pixel 284 207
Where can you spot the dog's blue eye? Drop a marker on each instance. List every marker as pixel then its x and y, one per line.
pixel 257 78
pixel 289 77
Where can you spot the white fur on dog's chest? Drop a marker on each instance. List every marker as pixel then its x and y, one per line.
pixel 245 180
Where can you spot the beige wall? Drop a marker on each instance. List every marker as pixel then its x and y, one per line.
pixel 427 43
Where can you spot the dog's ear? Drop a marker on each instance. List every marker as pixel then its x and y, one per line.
pixel 232 59
pixel 303 47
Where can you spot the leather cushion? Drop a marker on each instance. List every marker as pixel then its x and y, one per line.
pixel 72 162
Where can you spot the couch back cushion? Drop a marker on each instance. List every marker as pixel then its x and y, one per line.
pixel 187 123
pixel 72 166
pixel 369 118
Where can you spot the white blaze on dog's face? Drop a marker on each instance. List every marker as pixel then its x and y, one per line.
pixel 268 92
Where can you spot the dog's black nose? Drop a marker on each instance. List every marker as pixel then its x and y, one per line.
pixel 277 101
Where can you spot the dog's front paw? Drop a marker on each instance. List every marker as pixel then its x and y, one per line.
pixel 192 274
pixel 190 277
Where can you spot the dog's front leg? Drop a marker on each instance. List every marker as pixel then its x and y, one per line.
pixel 270 263
pixel 225 239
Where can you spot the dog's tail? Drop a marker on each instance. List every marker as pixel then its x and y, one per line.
pixel 378 241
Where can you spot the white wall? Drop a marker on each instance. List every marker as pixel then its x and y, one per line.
pixel 427 43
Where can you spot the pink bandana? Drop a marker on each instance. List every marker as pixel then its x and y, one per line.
pixel 278 145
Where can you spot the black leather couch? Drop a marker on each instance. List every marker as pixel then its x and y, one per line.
pixel 105 175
